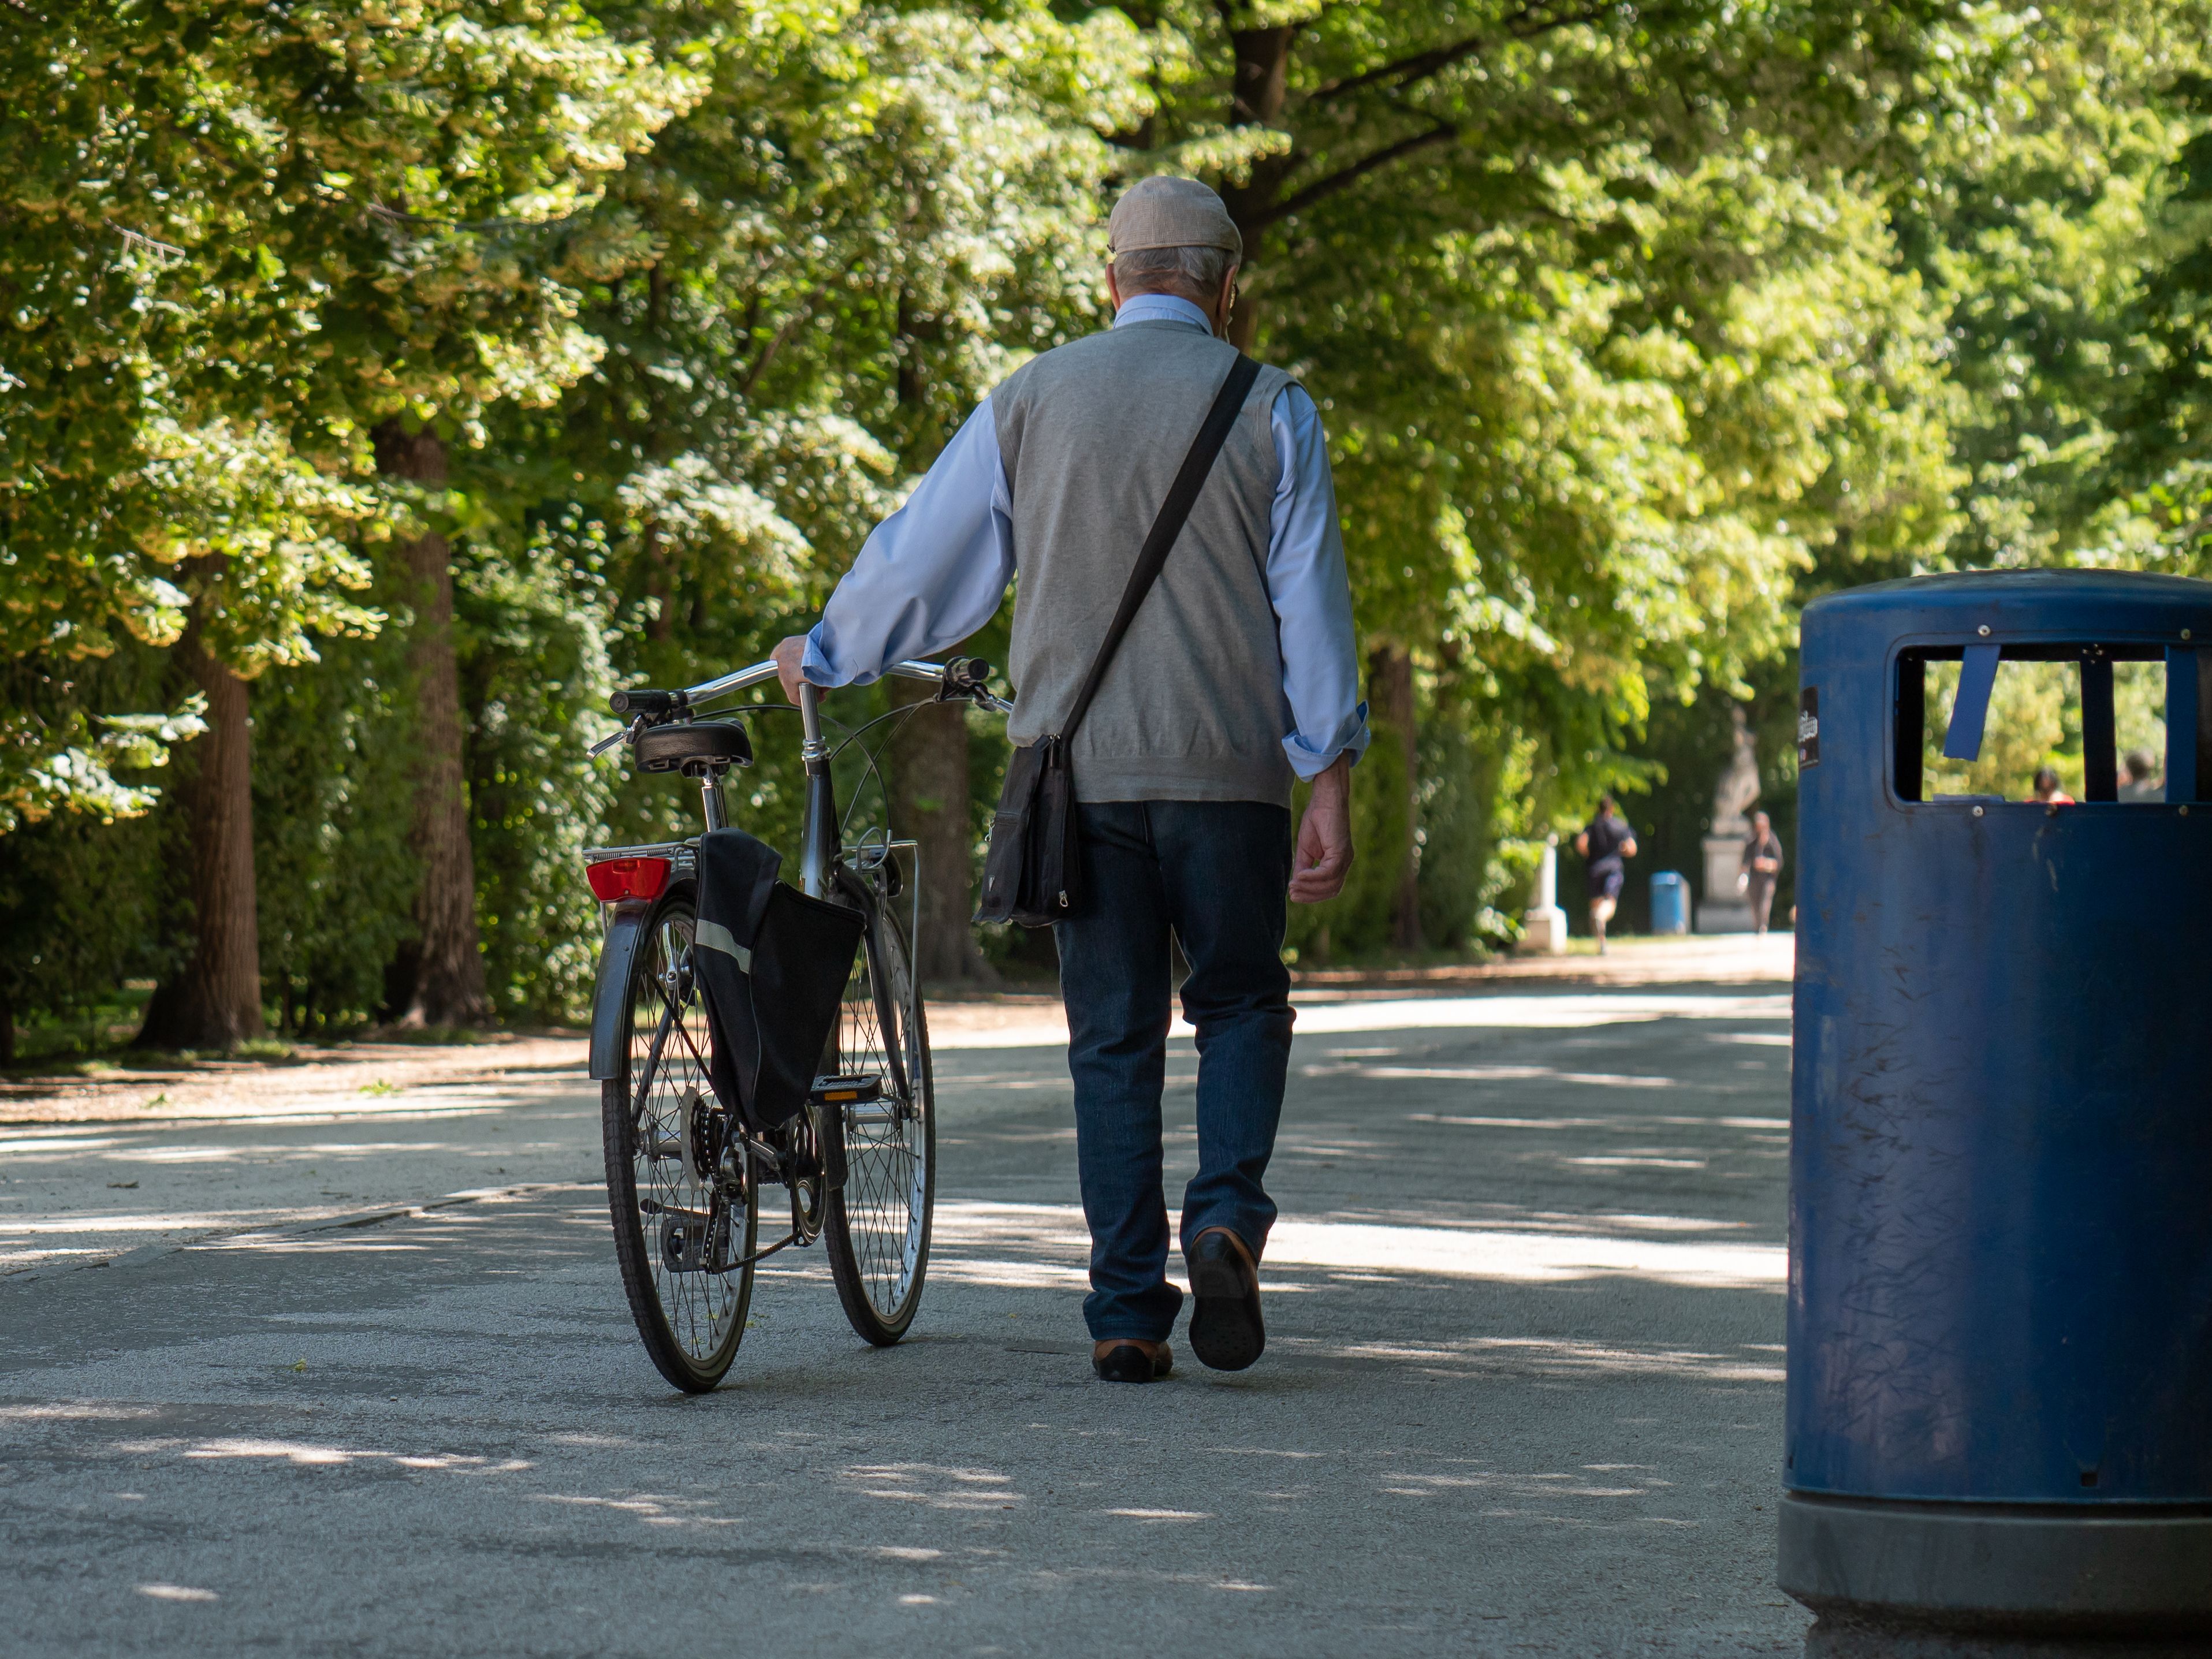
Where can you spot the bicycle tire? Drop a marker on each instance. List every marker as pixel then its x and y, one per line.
pixel 690 1321
pixel 877 1225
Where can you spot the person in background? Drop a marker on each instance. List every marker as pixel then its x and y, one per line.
pixel 2139 779
pixel 1762 863
pixel 2047 790
pixel 1605 844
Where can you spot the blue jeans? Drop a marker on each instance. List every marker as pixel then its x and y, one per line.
pixel 1216 873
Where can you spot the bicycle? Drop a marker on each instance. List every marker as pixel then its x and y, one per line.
pixel 683 1172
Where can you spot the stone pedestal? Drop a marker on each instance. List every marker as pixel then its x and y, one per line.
pixel 1721 909
pixel 1546 924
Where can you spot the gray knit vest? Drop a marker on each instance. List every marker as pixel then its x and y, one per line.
pixel 1091 435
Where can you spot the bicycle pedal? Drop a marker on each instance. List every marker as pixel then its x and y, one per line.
pixel 847 1091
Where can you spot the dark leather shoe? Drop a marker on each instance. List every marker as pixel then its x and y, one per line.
pixel 1132 1361
pixel 1225 1329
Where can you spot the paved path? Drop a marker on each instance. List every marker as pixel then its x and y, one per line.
pixel 1522 1392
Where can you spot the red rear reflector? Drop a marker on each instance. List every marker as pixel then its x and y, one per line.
pixel 615 880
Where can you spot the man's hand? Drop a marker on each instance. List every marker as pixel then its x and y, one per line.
pixel 788 656
pixel 1323 858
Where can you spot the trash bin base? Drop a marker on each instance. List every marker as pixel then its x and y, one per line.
pixel 1833 1638
pixel 2045 1570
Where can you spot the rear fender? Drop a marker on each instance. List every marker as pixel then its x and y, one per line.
pixel 625 927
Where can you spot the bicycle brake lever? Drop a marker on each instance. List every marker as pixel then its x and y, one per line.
pixel 965 679
pixel 628 734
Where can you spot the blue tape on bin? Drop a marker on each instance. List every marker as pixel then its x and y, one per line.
pixel 1970 709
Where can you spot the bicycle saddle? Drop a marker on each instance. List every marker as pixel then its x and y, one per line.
pixel 700 742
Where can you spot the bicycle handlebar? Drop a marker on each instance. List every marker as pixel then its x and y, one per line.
pixel 960 678
pixel 966 675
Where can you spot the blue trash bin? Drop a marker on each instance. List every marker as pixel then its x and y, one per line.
pixel 1670 902
pixel 2000 1301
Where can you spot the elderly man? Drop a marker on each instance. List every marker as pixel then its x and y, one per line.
pixel 1238 673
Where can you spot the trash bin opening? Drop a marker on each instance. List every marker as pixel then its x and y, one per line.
pixel 2043 723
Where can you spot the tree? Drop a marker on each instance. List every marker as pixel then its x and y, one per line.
pixel 592 338
pixel 866 218
pixel 262 573
pixel 2050 237
pixel 454 290
pixel 136 510
pixel 2154 463
pixel 366 218
pixel 1580 288
pixel 2033 222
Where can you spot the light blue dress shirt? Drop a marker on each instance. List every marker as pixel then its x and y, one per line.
pixel 935 571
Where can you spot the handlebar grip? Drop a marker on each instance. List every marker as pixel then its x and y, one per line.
pixel 645 703
pixel 965 676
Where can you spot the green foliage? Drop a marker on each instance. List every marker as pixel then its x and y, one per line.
pixel 1612 335
pixel 1461 784
pixel 864 219
pixel 234 241
pixel 1633 329
pixel 1356 923
pixel 78 903
pixel 334 874
pixel 535 680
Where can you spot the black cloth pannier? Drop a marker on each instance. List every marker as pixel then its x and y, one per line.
pixel 772 964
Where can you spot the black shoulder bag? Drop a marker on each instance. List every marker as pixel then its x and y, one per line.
pixel 1032 874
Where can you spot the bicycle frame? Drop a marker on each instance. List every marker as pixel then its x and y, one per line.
pixel 820 852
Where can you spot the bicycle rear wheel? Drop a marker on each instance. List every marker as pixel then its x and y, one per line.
pixel 877 1225
pixel 685 1198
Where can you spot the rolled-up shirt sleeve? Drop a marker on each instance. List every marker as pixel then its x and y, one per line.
pixel 930 574
pixel 1311 591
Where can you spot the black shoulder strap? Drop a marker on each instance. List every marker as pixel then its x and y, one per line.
pixel 1182 496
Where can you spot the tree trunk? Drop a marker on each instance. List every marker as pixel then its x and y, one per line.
pixel 1390 683
pixel 440 981
pixel 929 801
pixel 927 774
pixel 1256 99
pixel 215 1000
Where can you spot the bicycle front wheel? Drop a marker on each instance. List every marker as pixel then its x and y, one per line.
pixel 877 1225
pixel 685 1198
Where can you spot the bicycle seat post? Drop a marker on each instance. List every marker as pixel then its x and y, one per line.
pixel 817 848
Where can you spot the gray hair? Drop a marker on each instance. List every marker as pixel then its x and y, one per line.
pixel 1193 273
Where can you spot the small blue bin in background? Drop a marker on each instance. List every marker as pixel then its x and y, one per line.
pixel 1670 902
